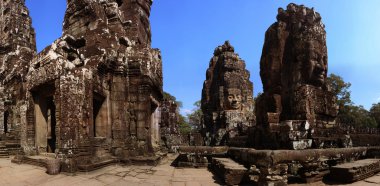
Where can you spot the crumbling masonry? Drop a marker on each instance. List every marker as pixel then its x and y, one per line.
pixel 94 94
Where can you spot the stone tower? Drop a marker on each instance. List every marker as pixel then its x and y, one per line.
pixel 17 44
pixel 96 89
pixel 17 47
pixel 128 18
pixel 227 92
pixel 293 69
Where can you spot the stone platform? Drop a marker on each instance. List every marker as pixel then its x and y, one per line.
pixel 161 175
pixel 198 156
pixel 354 171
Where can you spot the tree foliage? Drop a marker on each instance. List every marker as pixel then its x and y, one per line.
pixel 375 113
pixel 349 114
pixel 356 116
pixel 183 125
pixel 196 116
pixel 340 89
pixel 168 96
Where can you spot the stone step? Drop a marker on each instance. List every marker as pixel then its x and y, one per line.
pixel 355 170
pixel 230 171
pixel 33 161
pixel 97 165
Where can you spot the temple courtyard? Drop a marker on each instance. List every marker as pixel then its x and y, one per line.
pixel 162 174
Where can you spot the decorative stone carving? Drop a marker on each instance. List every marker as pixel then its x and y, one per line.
pixel 227 101
pixel 92 94
pixel 17 47
pixel 293 69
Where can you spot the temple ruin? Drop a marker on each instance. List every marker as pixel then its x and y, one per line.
pixel 17 48
pixel 94 97
pixel 170 134
pixel 293 69
pixel 91 96
pixel 295 138
pixel 227 101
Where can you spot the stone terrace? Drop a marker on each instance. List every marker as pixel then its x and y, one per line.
pixel 163 174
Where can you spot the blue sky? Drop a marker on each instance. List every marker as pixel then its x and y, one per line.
pixel 187 32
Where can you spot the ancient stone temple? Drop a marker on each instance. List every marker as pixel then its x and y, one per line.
pixel 91 96
pixel 170 134
pixel 17 47
pixel 227 101
pixel 293 69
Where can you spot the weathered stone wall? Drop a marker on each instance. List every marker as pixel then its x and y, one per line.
pixel 17 47
pixel 227 101
pixel 169 126
pixel 95 90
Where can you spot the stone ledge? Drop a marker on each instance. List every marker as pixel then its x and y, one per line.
pixel 231 172
pixel 355 171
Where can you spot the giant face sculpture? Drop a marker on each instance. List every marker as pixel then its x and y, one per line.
pixel 233 99
pixel 315 65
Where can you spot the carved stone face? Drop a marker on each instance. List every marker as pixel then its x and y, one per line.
pixel 233 99
pixel 315 66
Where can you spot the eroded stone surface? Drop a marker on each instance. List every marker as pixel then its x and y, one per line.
pixel 92 94
pixel 293 69
pixel 227 101
pixel 170 134
pixel 17 48
pixel 231 172
pixel 356 170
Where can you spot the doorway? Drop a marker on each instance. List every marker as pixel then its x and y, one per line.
pixel 6 116
pixel 100 115
pixel 45 118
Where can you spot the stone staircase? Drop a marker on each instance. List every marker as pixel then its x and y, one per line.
pixel 3 151
pixel 8 148
pixel 231 172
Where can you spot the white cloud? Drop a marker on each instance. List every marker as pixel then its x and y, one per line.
pixel 185 111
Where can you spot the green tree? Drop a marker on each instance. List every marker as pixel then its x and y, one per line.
pixel 349 113
pixel 196 116
pixel 357 116
pixel 341 89
pixel 183 126
pixel 375 112
pixel 168 96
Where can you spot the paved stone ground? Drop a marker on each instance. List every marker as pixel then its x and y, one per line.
pixel 163 174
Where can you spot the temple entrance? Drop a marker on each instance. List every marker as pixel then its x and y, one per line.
pixel 100 117
pixel 45 119
pixel 6 116
pixel 51 124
